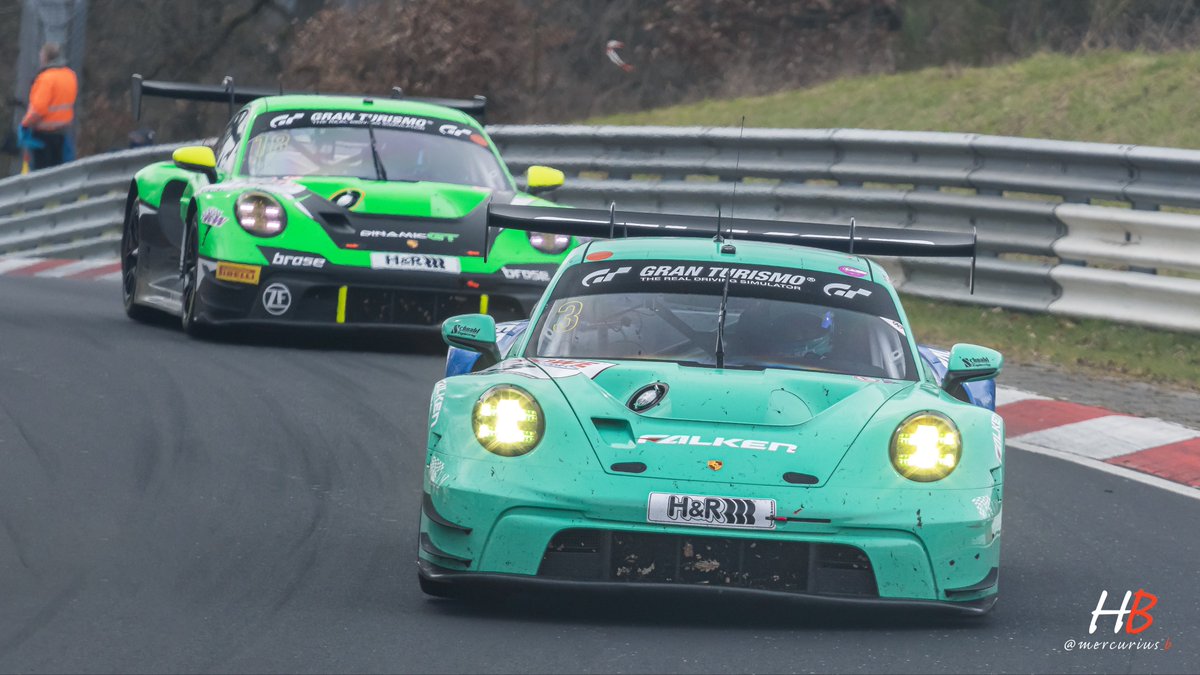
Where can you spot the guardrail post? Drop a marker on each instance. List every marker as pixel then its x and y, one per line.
pixel 1143 206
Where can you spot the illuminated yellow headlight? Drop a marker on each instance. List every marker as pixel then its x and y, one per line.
pixel 926 447
pixel 507 421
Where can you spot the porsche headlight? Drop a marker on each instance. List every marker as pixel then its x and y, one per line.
pixel 926 447
pixel 507 421
pixel 260 214
pixel 549 243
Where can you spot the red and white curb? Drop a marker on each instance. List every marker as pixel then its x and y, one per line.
pixel 101 269
pixel 1147 450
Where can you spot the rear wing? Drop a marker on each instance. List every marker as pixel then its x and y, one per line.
pixel 860 240
pixel 226 92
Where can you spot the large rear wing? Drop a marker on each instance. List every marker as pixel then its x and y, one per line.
pixel 860 240
pixel 227 93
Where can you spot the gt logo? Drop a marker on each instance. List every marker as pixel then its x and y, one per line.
pixel 603 276
pixel 453 130
pixel 285 120
pixel 844 291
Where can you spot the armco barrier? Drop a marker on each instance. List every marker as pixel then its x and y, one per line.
pixel 1130 297
pixel 1123 237
pixel 1053 217
pixel 72 210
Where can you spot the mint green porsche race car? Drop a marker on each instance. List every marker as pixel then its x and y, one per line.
pixel 744 415
pixel 332 211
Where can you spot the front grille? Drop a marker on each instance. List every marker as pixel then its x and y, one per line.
pixel 765 564
pixel 420 308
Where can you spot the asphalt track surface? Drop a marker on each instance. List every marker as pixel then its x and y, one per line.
pixel 172 505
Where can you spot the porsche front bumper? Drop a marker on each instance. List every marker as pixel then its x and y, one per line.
pixel 917 546
pixel 356 297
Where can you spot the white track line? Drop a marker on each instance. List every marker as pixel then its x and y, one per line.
pixel 1114 469
pixel 1108 437
pixel 75 268
pixel 1006 395
pixel 10 264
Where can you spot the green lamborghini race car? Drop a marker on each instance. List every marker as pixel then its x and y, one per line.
pixel 332 211
pixel 736 414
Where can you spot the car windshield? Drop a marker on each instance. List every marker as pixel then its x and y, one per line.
pixel 775 318
pixel 302 148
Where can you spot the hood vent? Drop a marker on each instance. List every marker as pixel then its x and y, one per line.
pixel 800 478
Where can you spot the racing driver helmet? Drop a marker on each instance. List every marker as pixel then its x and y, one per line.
pixel 773 331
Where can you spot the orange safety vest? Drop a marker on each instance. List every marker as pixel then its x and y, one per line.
pixel 52 99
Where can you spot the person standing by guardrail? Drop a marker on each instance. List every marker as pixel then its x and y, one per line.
pixel 51 110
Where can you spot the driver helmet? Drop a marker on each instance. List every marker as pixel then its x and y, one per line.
pixel 785 330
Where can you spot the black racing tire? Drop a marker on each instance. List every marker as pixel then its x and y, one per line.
pixel 130 250
pixel 435 588
pixel 190 278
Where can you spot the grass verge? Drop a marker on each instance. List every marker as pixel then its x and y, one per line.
pixel 1104 96
pixel 1081 345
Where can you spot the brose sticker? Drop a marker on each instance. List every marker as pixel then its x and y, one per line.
pixel 518 273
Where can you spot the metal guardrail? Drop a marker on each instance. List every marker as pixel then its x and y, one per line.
pixel 1068 228
pixel 74 210
pixel 1064 227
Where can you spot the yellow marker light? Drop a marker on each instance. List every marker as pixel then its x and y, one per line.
pixel 926 447
pixel 507 421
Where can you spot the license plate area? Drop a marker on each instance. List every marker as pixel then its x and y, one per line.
pixel 416 262
pixel 708 511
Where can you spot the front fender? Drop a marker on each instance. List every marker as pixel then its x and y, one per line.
pixel 222 238
pixel 152 180
pixel 452 404
pixel 868 461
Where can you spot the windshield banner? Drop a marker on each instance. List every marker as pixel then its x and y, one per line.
pixel 745 280
pixel 291 119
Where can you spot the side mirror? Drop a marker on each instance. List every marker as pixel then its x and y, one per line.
pixel 197 158
pixel 539 179
pixel 473 332
pixel 969 363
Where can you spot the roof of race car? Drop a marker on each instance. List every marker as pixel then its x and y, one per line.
pixel 747 252
pixel 395 106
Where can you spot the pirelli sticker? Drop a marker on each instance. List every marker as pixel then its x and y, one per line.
pixel 239 274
